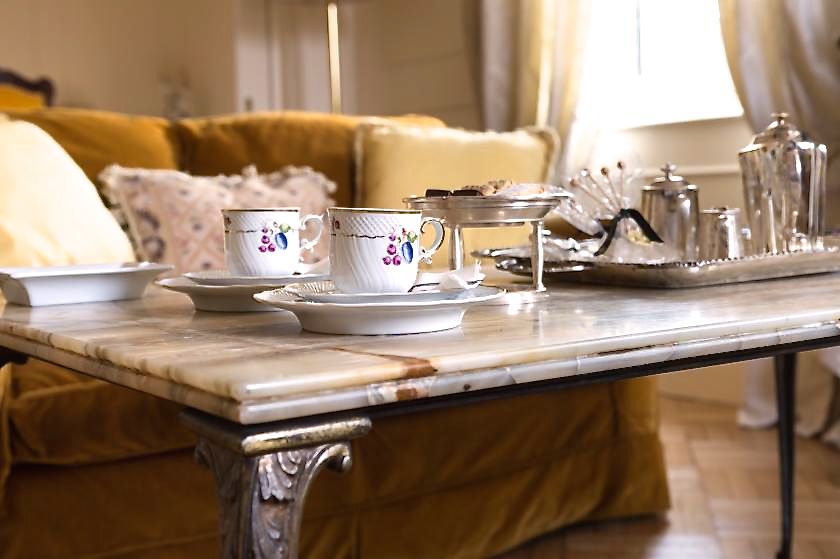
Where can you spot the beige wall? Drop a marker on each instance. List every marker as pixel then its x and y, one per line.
pixel 415 57
pixel 397 56
pixel 705 151
pixel 113 54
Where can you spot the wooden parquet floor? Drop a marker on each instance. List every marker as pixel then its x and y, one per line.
pixel 724 492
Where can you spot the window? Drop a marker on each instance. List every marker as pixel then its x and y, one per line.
pixel 662 61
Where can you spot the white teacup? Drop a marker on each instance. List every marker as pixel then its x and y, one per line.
pixel 378 250
pixel 266 242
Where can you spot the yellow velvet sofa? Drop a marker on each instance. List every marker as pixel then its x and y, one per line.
pixel 88 469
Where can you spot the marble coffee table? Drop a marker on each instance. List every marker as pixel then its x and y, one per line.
pixel 273 405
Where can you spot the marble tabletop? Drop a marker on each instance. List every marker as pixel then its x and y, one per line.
pixel 259 367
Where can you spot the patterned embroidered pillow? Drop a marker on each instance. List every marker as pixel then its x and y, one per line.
pixel 175 218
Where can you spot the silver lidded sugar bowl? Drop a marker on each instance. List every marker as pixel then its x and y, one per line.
pixel 783 175
pixel 670 205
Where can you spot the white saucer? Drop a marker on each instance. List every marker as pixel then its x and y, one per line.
pixel 324 291
pixel 376 318
pixel 223 277
pixel 218 298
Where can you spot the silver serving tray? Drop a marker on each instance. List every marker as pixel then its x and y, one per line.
pixel 673 274
pixel 486 211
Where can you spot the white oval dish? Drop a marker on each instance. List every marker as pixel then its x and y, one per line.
pixel 63 285
pixel 377 318
pixel 218 298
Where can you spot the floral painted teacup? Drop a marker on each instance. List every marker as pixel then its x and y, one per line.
pixel 266 242
pixel 378 250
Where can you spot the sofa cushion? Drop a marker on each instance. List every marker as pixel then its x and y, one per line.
pixel 175 218
pixel 5 445
pixel 152 507
pixel 394 161
pixel 493 439
pixel 57 416
pixel 218 145
pixel 96 139
pixel 50 213
pixel 15 98
pixel 489 515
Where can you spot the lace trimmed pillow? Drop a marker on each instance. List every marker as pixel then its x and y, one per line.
pixel 175 218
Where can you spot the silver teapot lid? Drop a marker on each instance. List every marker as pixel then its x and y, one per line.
pixel 669 180
pixel 781 130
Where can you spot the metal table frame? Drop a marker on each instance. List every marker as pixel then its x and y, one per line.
pixel 263 471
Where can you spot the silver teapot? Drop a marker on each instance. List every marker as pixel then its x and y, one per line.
pixel 783 175
pixel 670 205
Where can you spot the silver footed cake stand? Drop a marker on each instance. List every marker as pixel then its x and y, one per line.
pixel 460 212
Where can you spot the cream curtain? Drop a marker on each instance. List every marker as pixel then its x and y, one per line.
pixel 785 56
pixel 531 69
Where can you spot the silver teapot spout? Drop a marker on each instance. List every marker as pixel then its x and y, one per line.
pixel 783 176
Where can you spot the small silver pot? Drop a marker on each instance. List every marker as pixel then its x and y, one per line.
pixel 722 234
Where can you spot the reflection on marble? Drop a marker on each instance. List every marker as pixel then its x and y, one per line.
pixel 260 367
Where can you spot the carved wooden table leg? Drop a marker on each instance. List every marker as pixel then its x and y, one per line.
pixel 263 473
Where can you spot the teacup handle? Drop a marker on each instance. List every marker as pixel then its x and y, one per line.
pixel 427 253
pixel 310 244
